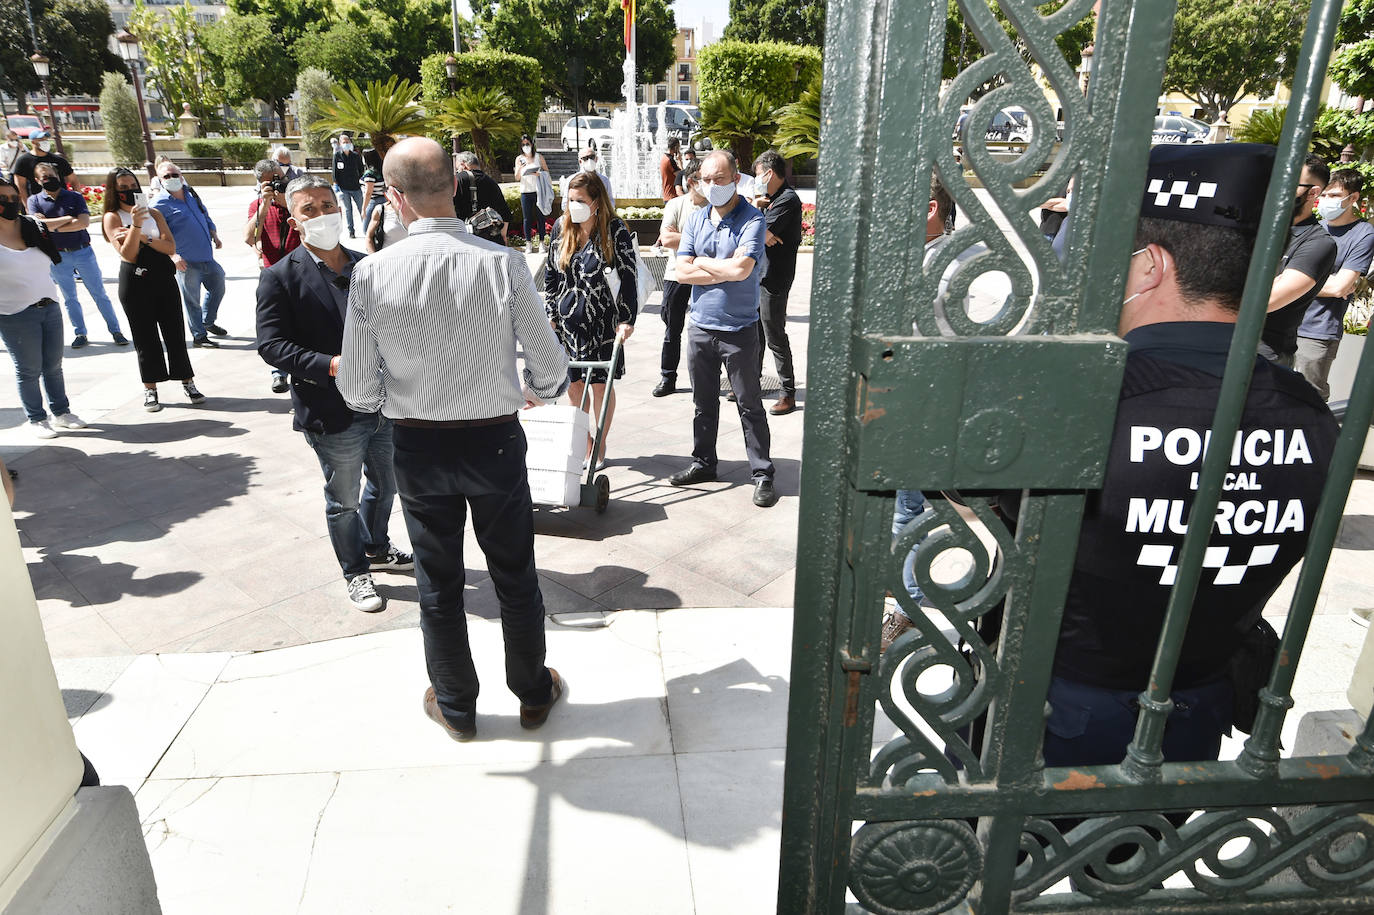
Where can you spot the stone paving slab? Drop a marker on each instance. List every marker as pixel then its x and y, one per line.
pixel 202 528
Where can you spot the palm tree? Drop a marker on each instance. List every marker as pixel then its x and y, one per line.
pixel 384 111
pixel 739 119
pixel 1266 126
pixel 485 114
pixel 799 124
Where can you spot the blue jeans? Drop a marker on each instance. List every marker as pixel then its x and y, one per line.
pixel 534 220
pixel 910 504
pixel 350 201
pixel 357 527
pixel 82 261
pixel 201 311
pixel 34 340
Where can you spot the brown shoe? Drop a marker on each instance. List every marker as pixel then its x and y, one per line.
pixel 786 404
pixel 462 735
pixel 532 716
pixel 894 624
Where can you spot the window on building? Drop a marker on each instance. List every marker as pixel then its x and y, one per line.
pixel 684 93
pixel 660 93
pixel 684 73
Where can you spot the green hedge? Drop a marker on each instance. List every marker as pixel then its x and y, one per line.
pixel 516 75
pixel 238 152
pixel 767 67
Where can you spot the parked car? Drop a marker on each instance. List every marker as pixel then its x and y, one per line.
pixel 25 124
pixel 1175 128
pixel 584 130
pixel 1009 124
pixel 680 120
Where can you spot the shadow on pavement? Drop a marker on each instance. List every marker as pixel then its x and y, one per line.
pixel 176 431
pixel 1357 533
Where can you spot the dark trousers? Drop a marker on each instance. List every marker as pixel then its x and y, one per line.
pixel 773 334
pixel 534 220
pixel 152 303
pixel 676 298
pixel 739 351
pixel 440 473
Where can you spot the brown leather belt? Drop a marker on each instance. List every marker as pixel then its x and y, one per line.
pixel 455 423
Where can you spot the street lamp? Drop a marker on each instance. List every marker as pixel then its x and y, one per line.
pixel 1085 69
pixel 42 68
pixel 128 49
pixel 451 68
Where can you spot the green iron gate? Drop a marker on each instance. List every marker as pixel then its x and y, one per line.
pixel 1024 401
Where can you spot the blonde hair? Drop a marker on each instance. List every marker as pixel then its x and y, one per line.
pixel 591 185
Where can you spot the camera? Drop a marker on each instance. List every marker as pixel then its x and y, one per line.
pixel 279 185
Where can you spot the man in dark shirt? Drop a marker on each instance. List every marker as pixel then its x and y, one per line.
pixel 1183 291
pixel 348 177
pixel 476 191
pixel 67 217
pixel 782 210
pixel 1306 264
pixel 45 151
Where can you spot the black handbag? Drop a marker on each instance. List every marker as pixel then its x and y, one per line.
pixel 1249 672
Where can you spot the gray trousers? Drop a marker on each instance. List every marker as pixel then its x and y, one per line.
pixel 1313 360
pixel 739 351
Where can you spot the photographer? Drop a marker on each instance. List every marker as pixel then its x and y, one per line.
pixel 270 230
pixel 476 194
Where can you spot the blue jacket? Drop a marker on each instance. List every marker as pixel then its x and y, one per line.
pixel 190 223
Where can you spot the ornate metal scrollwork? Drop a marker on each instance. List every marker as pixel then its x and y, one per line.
pixel 914 868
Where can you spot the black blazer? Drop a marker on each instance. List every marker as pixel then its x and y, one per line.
pixel 300 330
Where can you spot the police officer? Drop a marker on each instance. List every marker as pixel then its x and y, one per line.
pixel 1192 250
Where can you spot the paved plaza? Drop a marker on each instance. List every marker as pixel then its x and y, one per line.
pixel 274 738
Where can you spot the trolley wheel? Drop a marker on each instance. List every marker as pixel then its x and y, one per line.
pixel 603 493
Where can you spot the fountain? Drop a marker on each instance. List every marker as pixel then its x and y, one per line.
pixel 635 149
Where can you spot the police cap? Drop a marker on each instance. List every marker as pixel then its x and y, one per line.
pixel 1221 184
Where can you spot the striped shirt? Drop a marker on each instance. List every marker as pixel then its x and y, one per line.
pixel 432 326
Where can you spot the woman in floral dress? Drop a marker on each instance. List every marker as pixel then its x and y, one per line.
pixel 591 253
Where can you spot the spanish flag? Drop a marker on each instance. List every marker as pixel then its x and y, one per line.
pixel 629 7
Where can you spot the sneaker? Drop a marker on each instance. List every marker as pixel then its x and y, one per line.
pixel 532 716
pixel 68 421
pixel 205 342
pixel 393 560
pixel 192 392
pixel 150 402
pixel 894 624
pixel 121 340
pixel 217 330
pixel 41 428
pixel 279 383
pixel 79 341
pixel 362 594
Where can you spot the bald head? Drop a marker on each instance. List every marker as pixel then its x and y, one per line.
pixel 422 171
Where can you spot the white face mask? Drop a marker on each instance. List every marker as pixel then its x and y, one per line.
pixel 720 194
pixel 1329 208
pixel 321 231
pixel 172 185
pixel 346 147
pixel 45 146
pixel 528 150
pixel 11 143
pixel 579 212
pixel 589 165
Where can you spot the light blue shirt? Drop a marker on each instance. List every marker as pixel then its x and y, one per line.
pixel 726 306
pixel 190 224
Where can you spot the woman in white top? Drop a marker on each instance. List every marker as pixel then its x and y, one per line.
pixel 148 287
pixel 528 166
pixel 30 324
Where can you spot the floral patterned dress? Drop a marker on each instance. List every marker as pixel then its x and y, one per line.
pixel 579 302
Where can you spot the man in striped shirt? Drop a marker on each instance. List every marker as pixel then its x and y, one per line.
pixel 430 342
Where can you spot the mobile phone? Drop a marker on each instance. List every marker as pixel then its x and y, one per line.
pixel 141 200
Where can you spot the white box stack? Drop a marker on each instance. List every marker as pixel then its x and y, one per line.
pixel 557 438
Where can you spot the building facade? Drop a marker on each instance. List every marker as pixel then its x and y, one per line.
pixel 680 82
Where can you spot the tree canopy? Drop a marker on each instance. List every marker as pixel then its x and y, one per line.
pixel 176 65
pixel 1223 50
pixel 1352 67
pixel 788 21
pixel 252 61
pixel 962 46
pixel 563 34
pixel 73 34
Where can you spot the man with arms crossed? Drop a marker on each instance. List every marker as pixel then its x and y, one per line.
pixel 430 340
pixel 721 257
pixel 1306 264
pixel 302 300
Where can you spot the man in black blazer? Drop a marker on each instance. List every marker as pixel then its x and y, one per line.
pixel 302 300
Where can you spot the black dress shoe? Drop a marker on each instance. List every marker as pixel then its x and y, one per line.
pixel 665 387
pixel 697 473
pixel 765 496
pixel 205 342
pixel 279 383
pixel 217 330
